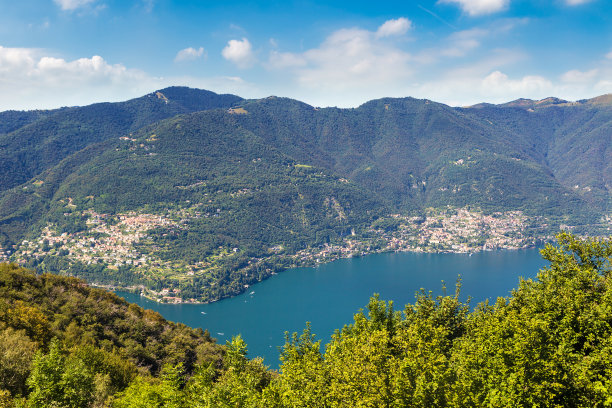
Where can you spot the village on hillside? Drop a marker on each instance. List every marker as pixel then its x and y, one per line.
pixel 120 241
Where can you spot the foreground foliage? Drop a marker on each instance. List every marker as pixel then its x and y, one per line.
pixel 549 344
pixel 65 344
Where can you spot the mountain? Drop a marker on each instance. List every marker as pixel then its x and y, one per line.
pixel 574 141
pixel 417 153
pixel 35 141
pixel 208 193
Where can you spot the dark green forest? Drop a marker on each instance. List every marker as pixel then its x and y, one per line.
pixel 548 344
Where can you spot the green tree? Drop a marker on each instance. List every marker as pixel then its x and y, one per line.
pixel 304 379
pixel 16 355
pixel 359 356
pixel 60 381
pixel 421 373
pixel 149 392
pixel 549 344
pixel 242 381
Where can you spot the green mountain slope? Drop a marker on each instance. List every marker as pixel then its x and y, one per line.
pixel 13 120
pixel 209 193
pixel 101 342
pixel 574 141
pixel 417 153
pixel 41 140
pixel 225 194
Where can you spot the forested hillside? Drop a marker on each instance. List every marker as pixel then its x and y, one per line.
pixel 35 141
pixel 418 153
pixel 65 344
pixel 198 194
pixel 546 345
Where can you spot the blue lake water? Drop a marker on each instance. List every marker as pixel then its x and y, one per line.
pixel 329 295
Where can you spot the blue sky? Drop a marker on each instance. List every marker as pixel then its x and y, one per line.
pixel 74 52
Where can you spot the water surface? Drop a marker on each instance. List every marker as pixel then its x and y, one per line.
pixel 329 295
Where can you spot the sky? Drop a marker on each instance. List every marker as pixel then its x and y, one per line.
pixel 343 53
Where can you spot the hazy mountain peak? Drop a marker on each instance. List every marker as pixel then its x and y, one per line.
pixel 193 99
pixel 530 103
pixel 602 100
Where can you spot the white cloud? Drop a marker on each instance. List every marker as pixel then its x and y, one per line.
pixel 576 76
pixel 350 62
pixel 498 83
pixel 15 59
pixel 480 7
pixel 603 86
pixel 352 56
pixel 470 87
pixel 462 42
pixel 576 2
pixel 35 80
pixel 609 55
pixel 189 54
pixel 240 52
pixel 281 60
pixel 399 26
pixel 70 5
pixel 236 27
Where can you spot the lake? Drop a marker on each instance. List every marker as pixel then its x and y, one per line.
pixel 329 295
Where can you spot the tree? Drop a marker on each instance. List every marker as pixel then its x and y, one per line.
pixel 148 392
pixel 550 343
pixel 60 381
pixel 16 355
pixel 242 381
pixel 304 378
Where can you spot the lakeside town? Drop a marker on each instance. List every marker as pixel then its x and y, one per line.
pixel 118 241
pixel 448 230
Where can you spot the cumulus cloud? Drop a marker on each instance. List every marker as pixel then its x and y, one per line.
pixel 354 65
pixel 499 87
pixel 70 5
pixel 240 52
pixel 390 28
pixel 350 61
pixel 189 54
pixel 481 7
pixel 352 56
pixel 493 87
pixel 35 80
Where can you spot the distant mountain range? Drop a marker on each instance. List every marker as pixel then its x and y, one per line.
pixel 250 176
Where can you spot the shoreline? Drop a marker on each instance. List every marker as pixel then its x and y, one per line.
pixel 141 289
pixel 114 253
